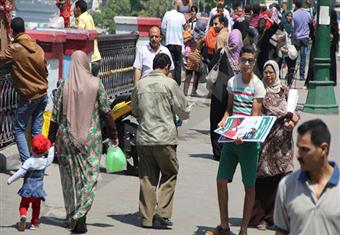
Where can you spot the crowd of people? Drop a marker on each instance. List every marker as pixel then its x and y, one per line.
pixel 249 45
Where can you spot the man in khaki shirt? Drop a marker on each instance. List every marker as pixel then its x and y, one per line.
pixel 84 21
pixel 155 101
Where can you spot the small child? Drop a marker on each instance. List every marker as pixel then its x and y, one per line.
pixel 33 170
pixel 187 35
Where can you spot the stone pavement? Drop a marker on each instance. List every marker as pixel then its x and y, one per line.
pixel 115 210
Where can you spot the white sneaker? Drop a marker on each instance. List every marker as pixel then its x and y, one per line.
pixel 33 227
pixel 22 223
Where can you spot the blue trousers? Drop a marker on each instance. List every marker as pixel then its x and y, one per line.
pixel 27 109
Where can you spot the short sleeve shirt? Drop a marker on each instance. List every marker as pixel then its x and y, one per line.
pixel 244 94
pixel 172 24
pixel 144 58
pixel 298 210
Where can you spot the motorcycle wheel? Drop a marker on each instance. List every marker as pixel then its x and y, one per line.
pixel 127 132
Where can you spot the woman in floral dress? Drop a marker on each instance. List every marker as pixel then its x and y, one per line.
pixel 80 103
pixel 276 154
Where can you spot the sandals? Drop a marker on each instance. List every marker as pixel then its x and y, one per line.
pixel 262 226
pixel 219 230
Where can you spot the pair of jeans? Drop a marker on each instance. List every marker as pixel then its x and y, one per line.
pixel 302 45
pixel 176 54
pixel 27 109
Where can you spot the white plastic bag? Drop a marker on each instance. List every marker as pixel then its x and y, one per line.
pixel 56 22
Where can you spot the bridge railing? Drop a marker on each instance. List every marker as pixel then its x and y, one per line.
pixel 8 105
pixel 118 53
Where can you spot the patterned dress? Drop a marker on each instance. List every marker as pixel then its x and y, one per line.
pixel 276 155
pixel 79 164
pixel 275 159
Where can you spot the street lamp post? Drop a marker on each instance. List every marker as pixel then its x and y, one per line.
pixel 321 98
pixel 290 7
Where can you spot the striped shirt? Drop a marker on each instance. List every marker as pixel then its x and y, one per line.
pixel 244 94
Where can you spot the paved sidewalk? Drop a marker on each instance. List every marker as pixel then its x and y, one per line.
pixel 115 210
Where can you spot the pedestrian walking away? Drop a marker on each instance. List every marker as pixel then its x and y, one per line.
pixel 33 170
pixel 80 104
pixel 307 201
pixel 155 101
pixel 172 27
pixel 301 31
pixel 245 95
pixel 29 74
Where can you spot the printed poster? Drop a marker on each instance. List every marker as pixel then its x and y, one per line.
pixel 249 129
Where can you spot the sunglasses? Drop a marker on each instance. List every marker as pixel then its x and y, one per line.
pixel 245 60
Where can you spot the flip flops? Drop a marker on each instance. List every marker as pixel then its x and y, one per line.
pixel 219 231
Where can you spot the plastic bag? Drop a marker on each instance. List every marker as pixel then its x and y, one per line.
pixel 115 160
pixel 46 123
pixel 56 22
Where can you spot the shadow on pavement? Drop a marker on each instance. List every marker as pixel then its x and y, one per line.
pixel 10 226
pixel 202 230
pixel 132 219
pixel 100 225
pixel 202 155
pixel 203 132
pixel 50 220
pixel 235 221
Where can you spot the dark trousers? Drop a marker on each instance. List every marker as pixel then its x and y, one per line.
pixel 176 54
pixel 291 68
pixel 217 110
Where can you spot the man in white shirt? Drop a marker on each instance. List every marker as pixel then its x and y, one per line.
pixel 226 14
pixel 172 27
pixel 145 55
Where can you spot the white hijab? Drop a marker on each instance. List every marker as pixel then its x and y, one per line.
pixel 275 87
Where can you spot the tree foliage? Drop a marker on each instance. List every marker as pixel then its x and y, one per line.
pixel 104 17
pixel 154 8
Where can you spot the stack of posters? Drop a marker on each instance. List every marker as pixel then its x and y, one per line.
pixel 249 129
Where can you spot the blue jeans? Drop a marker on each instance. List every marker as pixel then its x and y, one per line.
pixel 302 45
pixel 25 110
pixel 303 56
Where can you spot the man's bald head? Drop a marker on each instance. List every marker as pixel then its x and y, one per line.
pixel 154 29
pixel 155 37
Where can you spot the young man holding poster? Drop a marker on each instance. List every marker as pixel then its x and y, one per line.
pixel 246 92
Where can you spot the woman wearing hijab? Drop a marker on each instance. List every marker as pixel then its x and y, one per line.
pixel 228 68
pixel 276 154
pixel 80 103
pixel 287 22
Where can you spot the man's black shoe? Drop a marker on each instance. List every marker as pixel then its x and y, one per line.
pixel 165 221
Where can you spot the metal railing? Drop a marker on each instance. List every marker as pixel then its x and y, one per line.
pixel 8 105
pixel 118 54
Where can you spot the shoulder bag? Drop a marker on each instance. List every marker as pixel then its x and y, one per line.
pixel 213 73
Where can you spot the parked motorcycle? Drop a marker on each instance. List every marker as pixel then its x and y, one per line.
pixel 127 131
